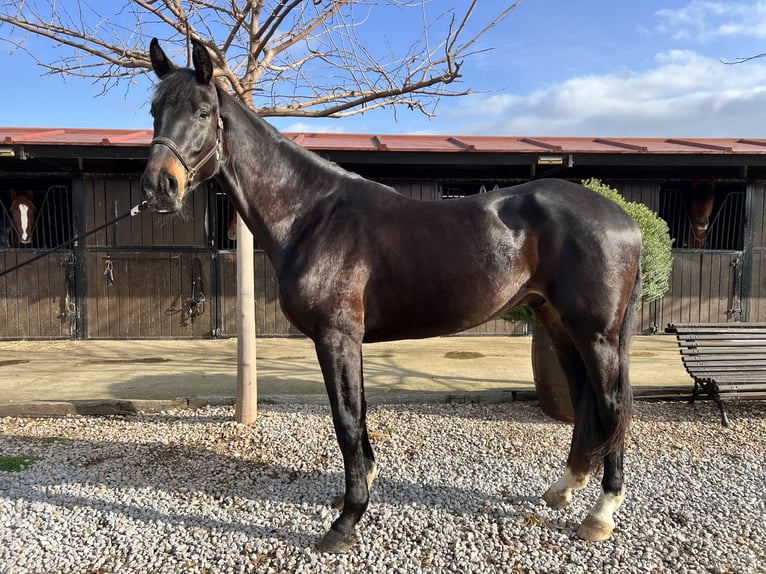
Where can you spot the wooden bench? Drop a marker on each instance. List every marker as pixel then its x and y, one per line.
pixel 726 360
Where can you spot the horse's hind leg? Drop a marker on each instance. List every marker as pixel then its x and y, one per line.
pixel 340 357
pixel 605 411
pixel 601 410
pixel 613 398
pixel 559 494
pixel 599 523
pixel 576 474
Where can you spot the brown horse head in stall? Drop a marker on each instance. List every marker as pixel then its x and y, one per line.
pixel 699 208
pixel 23 213
pixel 232 232
pixel 357 262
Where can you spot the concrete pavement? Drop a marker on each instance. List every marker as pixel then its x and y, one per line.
pixel 99 376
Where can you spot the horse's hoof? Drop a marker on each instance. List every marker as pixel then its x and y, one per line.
pixel 557 499
pixel 335 543
pixel 594 529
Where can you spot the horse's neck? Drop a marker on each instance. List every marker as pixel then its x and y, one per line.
pixel 271 180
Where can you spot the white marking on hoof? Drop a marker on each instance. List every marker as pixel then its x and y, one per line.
pixel 559 495
pixel 599 524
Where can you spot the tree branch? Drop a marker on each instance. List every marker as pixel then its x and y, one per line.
pixel 743 60
pixel 322 58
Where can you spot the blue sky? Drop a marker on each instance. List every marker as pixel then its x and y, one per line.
pixel 601 68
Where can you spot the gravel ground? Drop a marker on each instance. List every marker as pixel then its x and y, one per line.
pixel 459 491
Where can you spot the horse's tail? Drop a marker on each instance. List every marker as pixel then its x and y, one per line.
pixel 600 439
pixel 624 391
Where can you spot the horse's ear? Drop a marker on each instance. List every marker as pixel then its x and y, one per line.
pixel 161 64
pixel 203 64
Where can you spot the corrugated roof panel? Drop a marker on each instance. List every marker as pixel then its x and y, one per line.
pixel 419 143
pixel 503 144
pixel 78 137
pixel 334 141
pixel 414 143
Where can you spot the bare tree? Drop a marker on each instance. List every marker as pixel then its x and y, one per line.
pixel 281 57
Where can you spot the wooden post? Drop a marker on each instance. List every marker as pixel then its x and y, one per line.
pixel 246 406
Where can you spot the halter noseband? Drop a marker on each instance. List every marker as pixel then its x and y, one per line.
pixel 191 171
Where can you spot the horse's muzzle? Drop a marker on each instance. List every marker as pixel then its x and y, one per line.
pixel 161 192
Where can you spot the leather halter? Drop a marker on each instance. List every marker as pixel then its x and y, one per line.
pixel 191 171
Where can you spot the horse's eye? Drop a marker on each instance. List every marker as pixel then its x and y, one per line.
pixel 204 114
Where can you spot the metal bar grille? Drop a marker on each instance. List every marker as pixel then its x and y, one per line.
pixel 225 215
pixel 726 229
pixel 52 224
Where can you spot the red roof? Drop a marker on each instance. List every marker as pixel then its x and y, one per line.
pixel 413 143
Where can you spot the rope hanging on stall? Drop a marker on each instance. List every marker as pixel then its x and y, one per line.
pixel 197 302
pixel 109 271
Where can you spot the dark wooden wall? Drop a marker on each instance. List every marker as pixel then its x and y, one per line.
pixel 755 300
pixel 152 257
pixel 33 300
pixel 66 294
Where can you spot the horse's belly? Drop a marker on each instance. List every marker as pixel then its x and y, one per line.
pixel 421 315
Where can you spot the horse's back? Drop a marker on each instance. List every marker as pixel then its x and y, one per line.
pixel 559 202
pixel 424 268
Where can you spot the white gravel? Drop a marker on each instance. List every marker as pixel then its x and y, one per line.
pixel 459 491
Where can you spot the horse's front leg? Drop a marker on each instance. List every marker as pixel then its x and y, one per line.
pixel 340 357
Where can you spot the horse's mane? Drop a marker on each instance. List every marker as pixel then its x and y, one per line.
pixel 305 156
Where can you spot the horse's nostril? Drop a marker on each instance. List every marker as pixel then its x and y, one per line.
pixel 170 184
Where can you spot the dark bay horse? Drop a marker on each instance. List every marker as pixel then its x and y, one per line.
pixel 357 262
pixel 22 212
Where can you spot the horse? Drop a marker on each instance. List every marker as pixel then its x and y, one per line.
pixel 231 233
pixel 699 202
pixel 23 213
pixel 358 262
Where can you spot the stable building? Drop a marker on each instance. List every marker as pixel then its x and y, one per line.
pixel 155 276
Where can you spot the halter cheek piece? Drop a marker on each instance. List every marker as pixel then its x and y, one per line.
pixel 191 171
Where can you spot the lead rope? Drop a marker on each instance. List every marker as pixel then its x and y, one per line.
pixel 135 210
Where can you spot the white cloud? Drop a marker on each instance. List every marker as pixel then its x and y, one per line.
pixel 702 20
pixel 683 94
pixel 323 126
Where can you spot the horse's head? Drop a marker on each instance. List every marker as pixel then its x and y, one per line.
pixel 23 212
pixel 700 206
pixel 186 148
pixel 232 232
